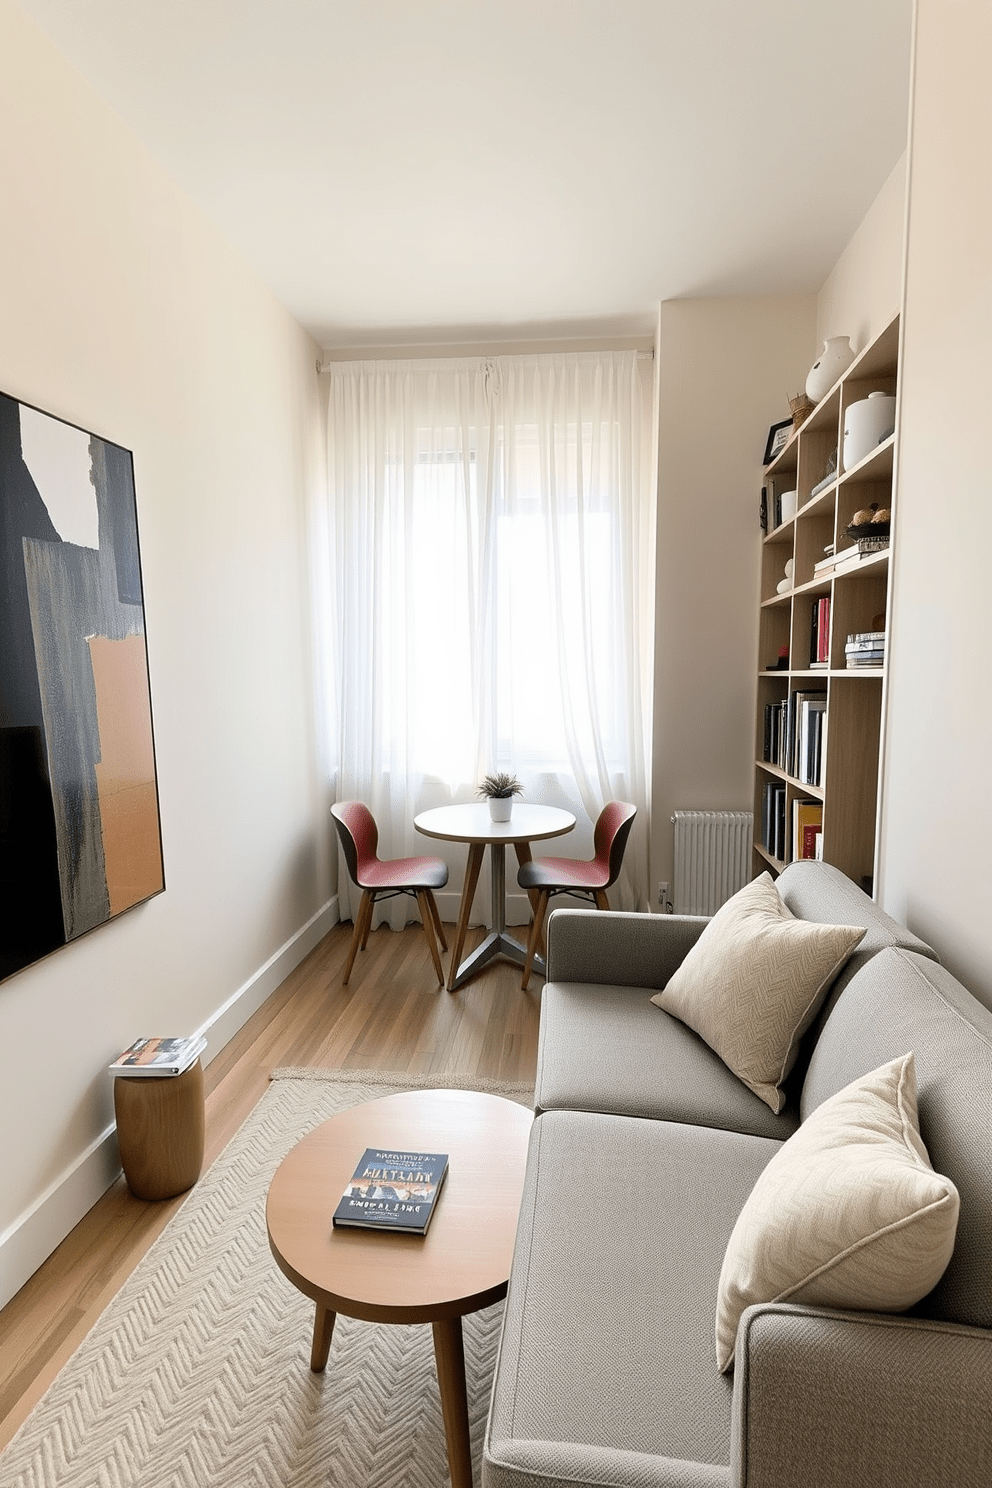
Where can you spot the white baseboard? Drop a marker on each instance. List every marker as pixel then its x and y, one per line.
pixel 39 1230
pixel 30 1240
pixel 222 1025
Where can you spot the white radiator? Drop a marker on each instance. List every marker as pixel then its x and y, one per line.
pixel 712 858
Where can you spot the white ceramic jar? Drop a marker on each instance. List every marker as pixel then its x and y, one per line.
pixel 866 424
pixel 835 358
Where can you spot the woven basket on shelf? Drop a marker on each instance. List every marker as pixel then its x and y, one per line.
pixel 800 407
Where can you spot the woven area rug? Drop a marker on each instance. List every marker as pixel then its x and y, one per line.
pixel 197 1375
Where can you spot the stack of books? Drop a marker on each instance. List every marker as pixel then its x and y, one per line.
pixel 865 648
pixel 159 1057
pixel 795 734
pixel 850 558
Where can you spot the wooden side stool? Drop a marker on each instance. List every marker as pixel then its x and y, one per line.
pixel 160 1130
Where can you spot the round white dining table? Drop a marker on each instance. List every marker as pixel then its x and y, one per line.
pixel 473 824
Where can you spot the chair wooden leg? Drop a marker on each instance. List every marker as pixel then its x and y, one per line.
pixel 601 900
pixel 436 915
pixel 423 897
pixel 360 933
pixel 367 917
pixel 534 936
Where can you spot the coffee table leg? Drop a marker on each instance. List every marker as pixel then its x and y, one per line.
pixel 323 1327
pixel 450 1355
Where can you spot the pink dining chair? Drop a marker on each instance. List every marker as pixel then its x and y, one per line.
pixel 589 879
pixel 380 879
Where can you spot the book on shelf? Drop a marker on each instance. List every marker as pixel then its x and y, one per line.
pixel 808 763
pixel 866 637
pixel 392 1190
pixel 851 558
pixel 819 632
pixel 807 823
pixel 159 1056
pixel 874 659
pixel 802 706
pixel 773 751
pixel 825 564
pixel 773 819
pixel 823 629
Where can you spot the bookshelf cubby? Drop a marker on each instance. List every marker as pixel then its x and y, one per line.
pixel 840 751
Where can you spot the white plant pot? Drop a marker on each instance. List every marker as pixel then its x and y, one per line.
pixel 866 424
pixel 835 358
pixel 500 808
pixel 789 502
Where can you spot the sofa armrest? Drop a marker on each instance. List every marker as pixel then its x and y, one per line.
pixel 617 947
pixel 833 1399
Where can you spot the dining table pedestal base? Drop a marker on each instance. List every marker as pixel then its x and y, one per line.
pixel 472 824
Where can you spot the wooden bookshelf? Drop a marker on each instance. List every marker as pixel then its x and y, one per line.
pixel 850 748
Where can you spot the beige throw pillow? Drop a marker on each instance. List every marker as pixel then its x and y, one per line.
pixel 848 1213
pixel 753 983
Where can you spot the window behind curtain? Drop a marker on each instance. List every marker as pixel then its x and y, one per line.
pixel 492 588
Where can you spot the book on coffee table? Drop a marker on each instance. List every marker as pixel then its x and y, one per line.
pixel 392 1190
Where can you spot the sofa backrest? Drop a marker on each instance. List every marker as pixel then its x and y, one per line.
pixel 900 1001
pixel 820 892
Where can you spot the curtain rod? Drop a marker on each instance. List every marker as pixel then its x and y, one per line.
pixel 642 356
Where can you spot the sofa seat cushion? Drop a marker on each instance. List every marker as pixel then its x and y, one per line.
pixel 606 1048
pixel 607 1340
pixel 848 1214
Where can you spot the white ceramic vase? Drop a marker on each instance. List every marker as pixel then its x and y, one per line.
pixel 500 808
pixel 866 424
pixel 834 359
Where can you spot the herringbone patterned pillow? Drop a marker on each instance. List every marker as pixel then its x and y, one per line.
pixel 849 1212
pixel 753 983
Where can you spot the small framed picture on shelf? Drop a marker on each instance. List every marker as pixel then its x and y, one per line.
pixel 778 438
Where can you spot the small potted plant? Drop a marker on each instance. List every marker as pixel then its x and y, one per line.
pixel 499 790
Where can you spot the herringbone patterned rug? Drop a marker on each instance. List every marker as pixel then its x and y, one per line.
pixel 197 1375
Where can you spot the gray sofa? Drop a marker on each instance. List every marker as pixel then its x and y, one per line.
pixel 643 1154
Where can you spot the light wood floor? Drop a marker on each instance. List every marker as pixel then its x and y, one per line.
pixel 391 1016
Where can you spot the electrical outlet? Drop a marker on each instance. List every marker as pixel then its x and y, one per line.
pixel 663 895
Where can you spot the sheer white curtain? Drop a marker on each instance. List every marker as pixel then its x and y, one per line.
pixel 492 565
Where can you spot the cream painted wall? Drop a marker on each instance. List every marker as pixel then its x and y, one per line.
pixel 864 290
pixel 123 311
pixel 726 371
pixel 937 823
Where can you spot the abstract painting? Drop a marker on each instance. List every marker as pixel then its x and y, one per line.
pixel 80 838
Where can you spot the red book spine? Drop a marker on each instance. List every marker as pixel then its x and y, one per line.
pixel 823 630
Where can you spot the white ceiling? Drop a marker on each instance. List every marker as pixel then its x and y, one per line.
pixel 405 170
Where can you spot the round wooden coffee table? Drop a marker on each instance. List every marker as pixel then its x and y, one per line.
pixel 460 1265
